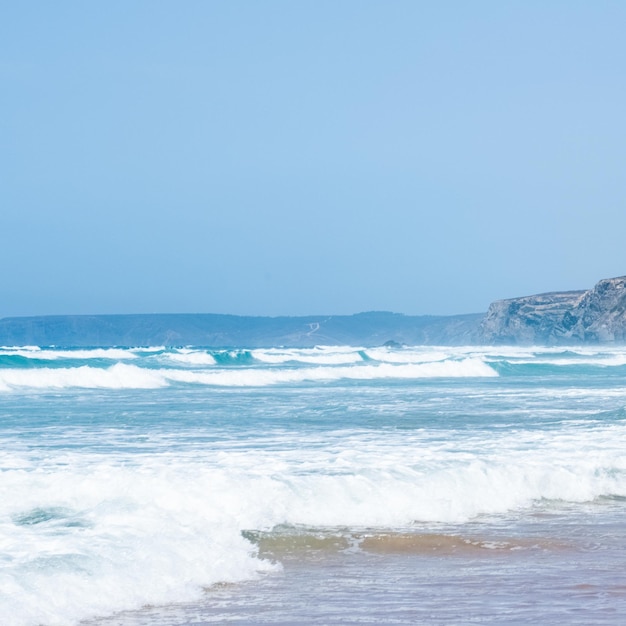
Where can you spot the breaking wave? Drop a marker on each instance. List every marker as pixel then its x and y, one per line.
pixel 130 376
pixel 151 368
pixel 130 527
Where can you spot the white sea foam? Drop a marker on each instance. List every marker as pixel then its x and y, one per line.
pixel 189 357
pixel 99 516
pixel 263 377
pixel 88 541
pixel 159 527
pixel 118 376
pixel 34 352
pixel 127 376
pixel 29 348
pixel 322 355
pixel 412 355
pixel 597 360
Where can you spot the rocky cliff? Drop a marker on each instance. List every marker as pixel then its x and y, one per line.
pixel 570 317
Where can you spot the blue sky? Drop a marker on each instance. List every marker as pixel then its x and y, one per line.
pixel 296 157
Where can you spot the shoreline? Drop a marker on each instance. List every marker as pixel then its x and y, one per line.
pixel 425 577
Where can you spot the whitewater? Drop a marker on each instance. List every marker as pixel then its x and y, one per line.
pixel 343 484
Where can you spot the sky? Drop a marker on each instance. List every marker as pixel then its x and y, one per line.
pixel 303 157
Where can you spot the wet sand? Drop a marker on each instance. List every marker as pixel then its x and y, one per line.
pixel 501 573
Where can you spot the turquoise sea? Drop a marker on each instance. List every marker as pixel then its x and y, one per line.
pixel 408 485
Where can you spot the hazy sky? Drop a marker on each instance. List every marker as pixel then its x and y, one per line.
pixel 268 158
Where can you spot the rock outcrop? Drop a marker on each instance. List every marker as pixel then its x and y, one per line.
pixel 569 317
pixel 561 318
pixel 601 314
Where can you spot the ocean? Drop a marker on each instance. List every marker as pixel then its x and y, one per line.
pixel 330 485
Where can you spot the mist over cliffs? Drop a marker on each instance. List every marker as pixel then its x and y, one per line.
pixel 596 316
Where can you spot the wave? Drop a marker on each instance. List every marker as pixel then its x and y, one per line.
pixel 118 376
pixel 320 355
pixel 159 528
pixel 195 357
pixel 49 354
pixel 601 360
pixel 331 355
pixel 138 368
pixel 127 376
pixel 77 545
pixel 263 377
pixel 188 357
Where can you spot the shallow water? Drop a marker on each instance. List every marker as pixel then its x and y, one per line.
pixel 333 485
pixel 502 571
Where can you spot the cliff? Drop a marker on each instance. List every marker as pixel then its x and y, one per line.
pixel 561 318
pixel 571 317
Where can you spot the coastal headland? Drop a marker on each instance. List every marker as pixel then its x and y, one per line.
pixel 597 315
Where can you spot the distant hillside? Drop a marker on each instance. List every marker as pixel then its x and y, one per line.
pixel 366 329
pixel 569 317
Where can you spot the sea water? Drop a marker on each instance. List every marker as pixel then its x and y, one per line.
pixel 407 485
